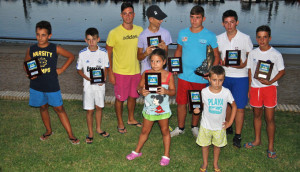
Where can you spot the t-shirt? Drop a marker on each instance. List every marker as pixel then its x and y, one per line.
pixel 48 81
pixel 143 43
pixel 271 55
pixel 214 110
pixel 124 43
pixel 194 52
pixel 92 59
pixel 241 42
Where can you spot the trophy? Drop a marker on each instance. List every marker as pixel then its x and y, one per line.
pixel 175 64
pixel 154 40
pixel 33 67
pixel 194 100
pixel 233 57
pixel 96 75
pixel 263 70
pixel 207 63
pixel 152 81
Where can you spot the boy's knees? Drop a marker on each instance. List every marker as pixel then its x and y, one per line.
pixel 44 107
pixel 59 109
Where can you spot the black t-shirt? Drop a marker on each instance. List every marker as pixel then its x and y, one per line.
pixel 48 81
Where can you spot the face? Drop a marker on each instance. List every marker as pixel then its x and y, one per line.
pixel 155 102
pixel 157 62
pixel 216 81
pixel 42 36
pixel 196 20
pixel 230 24
pixel 263 39
pixel 92 40
pixel 128 15
pixel 153 21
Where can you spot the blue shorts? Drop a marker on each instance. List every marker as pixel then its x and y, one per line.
pixel 38 98
pixel 239 88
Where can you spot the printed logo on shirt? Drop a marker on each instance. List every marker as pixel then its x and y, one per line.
pixel 202 41
pixel 184 39
pixel 87 61
pixel 215 106
pixel 130 37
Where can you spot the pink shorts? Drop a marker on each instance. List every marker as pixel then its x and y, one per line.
pixel 126 86
pixel 183 87
pixel 263 96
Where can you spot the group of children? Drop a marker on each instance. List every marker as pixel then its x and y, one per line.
pixel 45 91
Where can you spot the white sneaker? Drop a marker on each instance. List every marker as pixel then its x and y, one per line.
pixel 176 132
pixel 195 131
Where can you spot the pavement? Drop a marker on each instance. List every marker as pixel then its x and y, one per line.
pixel 14 84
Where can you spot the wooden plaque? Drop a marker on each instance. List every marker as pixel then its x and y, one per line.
pixel 97 75
pixel 195 100
pixel 152 81
pixel 154 40
pixel 233 58
pixel 263 70
pixel 33 67
pixel 175 64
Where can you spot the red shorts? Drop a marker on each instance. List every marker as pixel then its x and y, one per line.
pixel 126 86
pixel 263 96
pixel 183 87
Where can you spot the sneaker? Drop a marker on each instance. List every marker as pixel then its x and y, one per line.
pixel 176 132
pixel 237 142
pixel 229 130
pixel 195 131
pixel 164 161
pixel 133 155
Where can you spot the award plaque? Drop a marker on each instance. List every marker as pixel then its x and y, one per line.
pixel 154 40
pixel 207 63
pixel 194 100
pixel 96 75
pixel 233 57
pixel 175 64
pixel 33 67
pixel 263 70
pixel 152 81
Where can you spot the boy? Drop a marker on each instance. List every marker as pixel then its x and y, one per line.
pixel 263 92
pixel 236 79
pixel 92 57
pixel 155 16
pixel 213 125
pixel 191 46
pixel 44 89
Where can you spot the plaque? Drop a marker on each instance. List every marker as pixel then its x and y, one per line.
pixel 195 100
pixel 207 63
pixel 263 70
pixel 233 57
pixel 154 41
pixel 33 67
pixel 175 64
pixel 96 75
pixel 152 81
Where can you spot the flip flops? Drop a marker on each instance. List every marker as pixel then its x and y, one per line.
pixel 271 154
pixel 74 141
pixel 122 130
pixel 89 140
pixel 103 134
pixel 250 145
pixel 138 124
pixel 45 136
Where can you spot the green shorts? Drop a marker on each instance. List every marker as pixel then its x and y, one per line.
pixel 207 137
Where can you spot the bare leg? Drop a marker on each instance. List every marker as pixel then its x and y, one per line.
pixel 131 106
pixel 239 121
pixel 269 116
pixel 257 126
pixel 46 118
pixel 89 121
pixel 98 117
pixel 181 115
pixel 217 151
pixel 64 120
pixel 205 151
pixel 195 120
pixel 119 111
pixel 147 126
pixel 164 127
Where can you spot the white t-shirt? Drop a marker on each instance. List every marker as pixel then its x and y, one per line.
pixel 214 110
pixel 92 59
pixel 241 42
pixel 270 55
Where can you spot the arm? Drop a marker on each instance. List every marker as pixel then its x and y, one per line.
pixel 276 78
pixel 250 80
pixel 110 69
pixel 178 51
pixel 142 55
pixel 217 56
pixel 66 54
pixel 80 72
pixel 141 88
pixel 171 91
pixel 232 117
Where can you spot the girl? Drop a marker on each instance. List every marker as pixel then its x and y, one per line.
pixel 156 109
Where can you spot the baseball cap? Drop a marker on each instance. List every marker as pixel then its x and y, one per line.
pixel 155 12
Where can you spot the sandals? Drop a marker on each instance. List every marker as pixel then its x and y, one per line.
pixel 45 136
pixel 250 145
pixel 74 141
pixel 203 170
pixel 138 124
pixel 270 154
pixel 104 134
pixel 122 130
pixel 164 161
pixel 89 140
pixel 133 155
pixel 217 170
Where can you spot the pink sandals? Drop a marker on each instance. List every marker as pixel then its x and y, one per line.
pixel 164 161
pixel 133 155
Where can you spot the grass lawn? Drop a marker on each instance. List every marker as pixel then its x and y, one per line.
pixel 21 149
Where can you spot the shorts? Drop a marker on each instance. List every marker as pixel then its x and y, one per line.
pixel 126 86
pixel 92 98
pixel 263 96
pixel 207 137
pixel 239 88
pixel 183 87
pixel 38 98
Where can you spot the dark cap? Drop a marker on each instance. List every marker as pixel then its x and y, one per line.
pixel 155 12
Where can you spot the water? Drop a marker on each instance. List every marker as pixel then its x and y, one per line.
pixel 70 19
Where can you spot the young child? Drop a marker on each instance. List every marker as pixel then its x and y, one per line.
pixel 261 91
pixel 213 125
pixel 92 57
pixel 44 89
pixel 156 106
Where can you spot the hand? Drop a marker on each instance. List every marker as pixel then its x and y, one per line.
pixel 100 84
pixel 149 50
pixel 264 81
pixel 226 125
pixel 196 111
pixel 144 92
pixel 32 78
pixel 112 78
pixel 59 71
pixel 162 45
pixel 206 76
pixel 161 91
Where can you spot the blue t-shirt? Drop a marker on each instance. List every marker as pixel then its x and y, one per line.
pixel 194 52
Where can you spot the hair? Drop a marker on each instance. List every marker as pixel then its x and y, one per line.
pixel 158 97
pixel 264 28
pixel 196 10
pixel 92 31
pixel 159 52
pixel 44 25
pixel 218 70
pixel 126 5
pixel 230 13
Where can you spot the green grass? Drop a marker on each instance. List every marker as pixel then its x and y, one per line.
pixel 21 149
